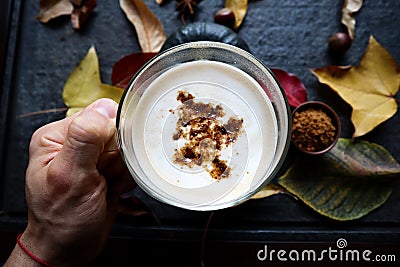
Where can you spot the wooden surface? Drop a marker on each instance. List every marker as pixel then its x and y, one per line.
pixel 291 35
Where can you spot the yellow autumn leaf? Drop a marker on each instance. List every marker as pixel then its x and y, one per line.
pixel 269 190
pixel 84 85
pixel 369 88
pixel 239 8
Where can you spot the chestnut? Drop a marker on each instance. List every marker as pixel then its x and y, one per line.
pixel 339 43
pixel 226 17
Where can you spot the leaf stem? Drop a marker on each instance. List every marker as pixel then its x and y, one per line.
pixel 53 110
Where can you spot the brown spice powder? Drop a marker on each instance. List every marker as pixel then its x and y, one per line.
pixel 312 130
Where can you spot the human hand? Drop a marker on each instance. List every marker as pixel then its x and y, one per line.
pixel 73 182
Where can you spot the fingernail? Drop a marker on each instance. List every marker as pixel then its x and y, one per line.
pixel 107 107
pixel 102 111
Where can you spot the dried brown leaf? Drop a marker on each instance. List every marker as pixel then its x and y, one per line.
pixel 50 9
pixel 76 2
pixel 350 7
pixel 148 27
pixel 81 14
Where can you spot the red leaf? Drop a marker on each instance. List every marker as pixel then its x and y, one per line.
pixel 295 90
pixel 127 66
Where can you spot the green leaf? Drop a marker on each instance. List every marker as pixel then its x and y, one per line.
pixel 346 183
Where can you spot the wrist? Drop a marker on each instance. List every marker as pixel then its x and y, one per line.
pixel 54 247
pixel 18 257
pixel 25 254
pixel 38 245
pixel 29 253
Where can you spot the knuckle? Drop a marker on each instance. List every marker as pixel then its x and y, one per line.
pixel 59 178
pixel 84 130
pixel 37 138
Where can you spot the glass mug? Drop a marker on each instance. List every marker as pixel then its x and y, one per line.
pixel 203 126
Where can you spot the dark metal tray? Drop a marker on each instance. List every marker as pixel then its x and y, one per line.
pixel 291 35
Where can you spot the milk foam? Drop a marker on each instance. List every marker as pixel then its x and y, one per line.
pixel 155 123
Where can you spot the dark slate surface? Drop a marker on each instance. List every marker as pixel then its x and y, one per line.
pixel 291 35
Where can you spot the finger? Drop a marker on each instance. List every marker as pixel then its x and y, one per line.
pixel 117 174
pixel 48 140
pixel 85 140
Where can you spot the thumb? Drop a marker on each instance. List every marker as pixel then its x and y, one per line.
pixel 86 137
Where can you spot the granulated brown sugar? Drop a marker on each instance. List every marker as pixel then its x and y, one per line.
pixel 312 130
pixel 200 126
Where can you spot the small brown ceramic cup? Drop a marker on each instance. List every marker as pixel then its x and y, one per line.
pixel 316 105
